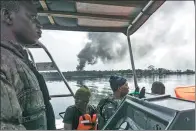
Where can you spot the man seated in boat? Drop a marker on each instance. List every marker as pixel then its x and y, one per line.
pixel 81 116
pixel 108 106
pixel 158 88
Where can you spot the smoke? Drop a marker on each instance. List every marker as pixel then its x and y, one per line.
pixel 166 29
pixel 108 47
pixel 156 32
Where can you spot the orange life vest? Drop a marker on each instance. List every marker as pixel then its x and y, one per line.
pixel 86 122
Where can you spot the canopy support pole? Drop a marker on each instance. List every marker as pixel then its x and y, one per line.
pixel 132 62
pixel 129 42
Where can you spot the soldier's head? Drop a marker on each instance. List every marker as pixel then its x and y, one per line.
pixel 119 86
pixel 19 20
pixel 158 88
pixel 82 97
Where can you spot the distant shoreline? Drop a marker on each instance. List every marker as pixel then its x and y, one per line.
pixel 107 74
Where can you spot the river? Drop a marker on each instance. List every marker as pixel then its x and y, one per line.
pixel 100 87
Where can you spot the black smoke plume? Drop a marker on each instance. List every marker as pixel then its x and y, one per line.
pixel 160 31
pixel 107 47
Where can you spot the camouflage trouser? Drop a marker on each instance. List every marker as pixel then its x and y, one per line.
pixel 35 122
pixel 8 126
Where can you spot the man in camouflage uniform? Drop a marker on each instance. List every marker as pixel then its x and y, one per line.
pixel 108 106
pixel 24 95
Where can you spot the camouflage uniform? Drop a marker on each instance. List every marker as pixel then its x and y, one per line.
pixel 106 109
pixel 22 103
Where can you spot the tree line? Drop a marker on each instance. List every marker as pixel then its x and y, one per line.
pixel 98 74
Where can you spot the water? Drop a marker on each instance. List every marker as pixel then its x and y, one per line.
pixel 100 88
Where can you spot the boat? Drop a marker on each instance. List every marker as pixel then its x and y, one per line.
pixel 153 112
pixel 186 92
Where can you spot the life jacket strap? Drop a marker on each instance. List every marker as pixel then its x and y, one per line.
pixel 85 122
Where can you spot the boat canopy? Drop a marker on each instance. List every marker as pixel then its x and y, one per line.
pixel 95 15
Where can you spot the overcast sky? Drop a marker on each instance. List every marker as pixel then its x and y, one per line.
pixel 166 40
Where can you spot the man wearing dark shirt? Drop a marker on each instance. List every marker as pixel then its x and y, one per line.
pixel 81 107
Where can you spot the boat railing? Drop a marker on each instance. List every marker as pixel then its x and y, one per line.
pixel 40 45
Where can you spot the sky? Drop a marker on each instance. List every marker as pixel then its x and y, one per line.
pixel 166 40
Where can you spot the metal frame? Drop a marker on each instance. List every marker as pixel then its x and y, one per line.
pixel 103 17
pixel 60 73
pixel 84 15
pixel 74 15
pixel 45 7
pixel 68 14
pixel 51 14
pixel 129 41
pixel 126 3
pixel 85 28
pixel 130 29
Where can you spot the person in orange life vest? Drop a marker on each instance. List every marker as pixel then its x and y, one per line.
pixel 81 115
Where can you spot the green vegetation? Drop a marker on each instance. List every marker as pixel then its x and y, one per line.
pixel 99 74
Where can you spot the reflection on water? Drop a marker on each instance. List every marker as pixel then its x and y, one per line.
pixel 100 88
